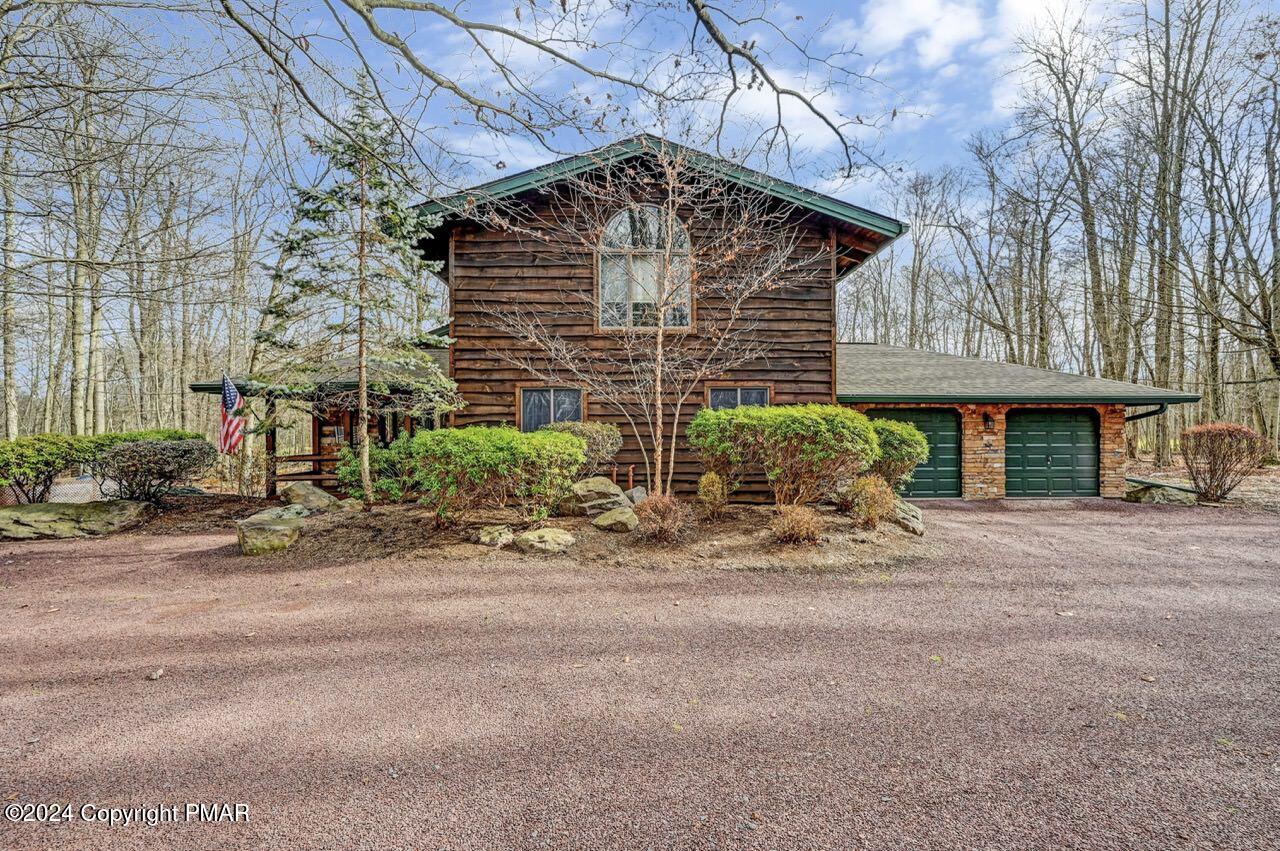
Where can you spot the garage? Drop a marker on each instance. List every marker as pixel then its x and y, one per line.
pixel 940 475
pixel 1051 453
pixel 1001 429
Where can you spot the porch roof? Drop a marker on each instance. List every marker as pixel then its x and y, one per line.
pixel 337 375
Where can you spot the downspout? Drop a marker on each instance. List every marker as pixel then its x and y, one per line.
pixel 1154 412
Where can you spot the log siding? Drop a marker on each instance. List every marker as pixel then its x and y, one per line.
pixel 488 268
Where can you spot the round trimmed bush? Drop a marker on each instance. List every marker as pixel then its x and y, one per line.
pixel 28 465
pixel 456 470
pixel 804 450
pixel 148 469
pixel 796 524
pixel 603 440
pixel 903 447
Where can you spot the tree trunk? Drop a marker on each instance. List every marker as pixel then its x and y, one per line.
pixel 366 475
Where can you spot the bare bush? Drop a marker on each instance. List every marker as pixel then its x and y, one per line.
pixel 713 495
pixel 1219 455
pixel 867 499
pixel 797 524
pixel 664 519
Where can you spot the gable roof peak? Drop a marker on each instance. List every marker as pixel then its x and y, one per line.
pixel 842 213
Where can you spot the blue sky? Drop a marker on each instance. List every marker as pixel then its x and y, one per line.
pixel 948 68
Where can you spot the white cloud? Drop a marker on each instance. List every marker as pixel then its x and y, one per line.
pixel 936 28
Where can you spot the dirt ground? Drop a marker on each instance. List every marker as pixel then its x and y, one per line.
pixel 1038 674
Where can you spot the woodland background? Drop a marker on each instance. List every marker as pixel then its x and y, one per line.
pixel 1123 224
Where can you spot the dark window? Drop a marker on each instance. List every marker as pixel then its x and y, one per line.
pixel 541 406
pixel 734 397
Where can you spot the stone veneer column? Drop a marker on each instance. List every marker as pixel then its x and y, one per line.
pixel 1112 455
pixel 982 452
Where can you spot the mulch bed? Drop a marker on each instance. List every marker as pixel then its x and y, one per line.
pixel 203 513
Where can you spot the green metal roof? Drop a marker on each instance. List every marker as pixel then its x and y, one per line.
pixel 535 178
pixel 870 372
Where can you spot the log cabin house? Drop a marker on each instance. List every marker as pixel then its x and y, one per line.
pixel 995 430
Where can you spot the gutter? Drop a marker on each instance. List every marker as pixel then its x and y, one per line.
pixel 1159 409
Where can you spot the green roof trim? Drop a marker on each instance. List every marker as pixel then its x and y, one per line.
pixel 536 178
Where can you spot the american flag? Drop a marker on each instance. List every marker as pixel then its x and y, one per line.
pixel 232 432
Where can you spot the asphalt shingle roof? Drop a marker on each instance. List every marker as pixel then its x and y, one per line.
pixel 871 372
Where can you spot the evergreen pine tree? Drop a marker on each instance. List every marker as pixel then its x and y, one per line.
pixel 352 281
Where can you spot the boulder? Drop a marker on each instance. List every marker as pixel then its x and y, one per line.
pixel 637 494
pixel 908 517
pixel 70 519
pixel 308 496
pixel 283 512
pixel 1154 494
pixel 544 541
pixel 592 497
pixel 617 520
pixel 495 536
pixel 349 504
pixel 187 490
pixel 261 535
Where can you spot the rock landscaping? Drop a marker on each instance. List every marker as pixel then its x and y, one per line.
pixel 1153 493
pixel 617 520
pixel 309 496
pixel 593 497
pixel 907 516
pixel 549 540
pixel 259 535
pixel 495 536
pixel 274 529
pixel 70 520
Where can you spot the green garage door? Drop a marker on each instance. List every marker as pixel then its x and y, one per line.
pixel 1051 453
pixel 940 475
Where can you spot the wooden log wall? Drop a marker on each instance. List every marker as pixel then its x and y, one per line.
pixel 489 268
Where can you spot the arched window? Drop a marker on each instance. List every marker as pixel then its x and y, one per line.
pixel 644 266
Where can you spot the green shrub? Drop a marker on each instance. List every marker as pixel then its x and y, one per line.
pixel 713 494
pixel 28 465
pixel 457 470
pixel 394 469
pixel 603 440
pixel 546 465
pixel 867 499
pixel 91 448
pixel 902 448
pixel 721 446
pixel 804 450
pixel 148 469
pixel 664 519
pixel 796 524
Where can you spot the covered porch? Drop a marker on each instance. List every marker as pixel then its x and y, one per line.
pixel 330 404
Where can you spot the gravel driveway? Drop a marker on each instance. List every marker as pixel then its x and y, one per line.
pixel 1088 675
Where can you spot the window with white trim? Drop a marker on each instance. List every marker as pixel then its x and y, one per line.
pixel 736 397
pixel 644 266
pixel 541 406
